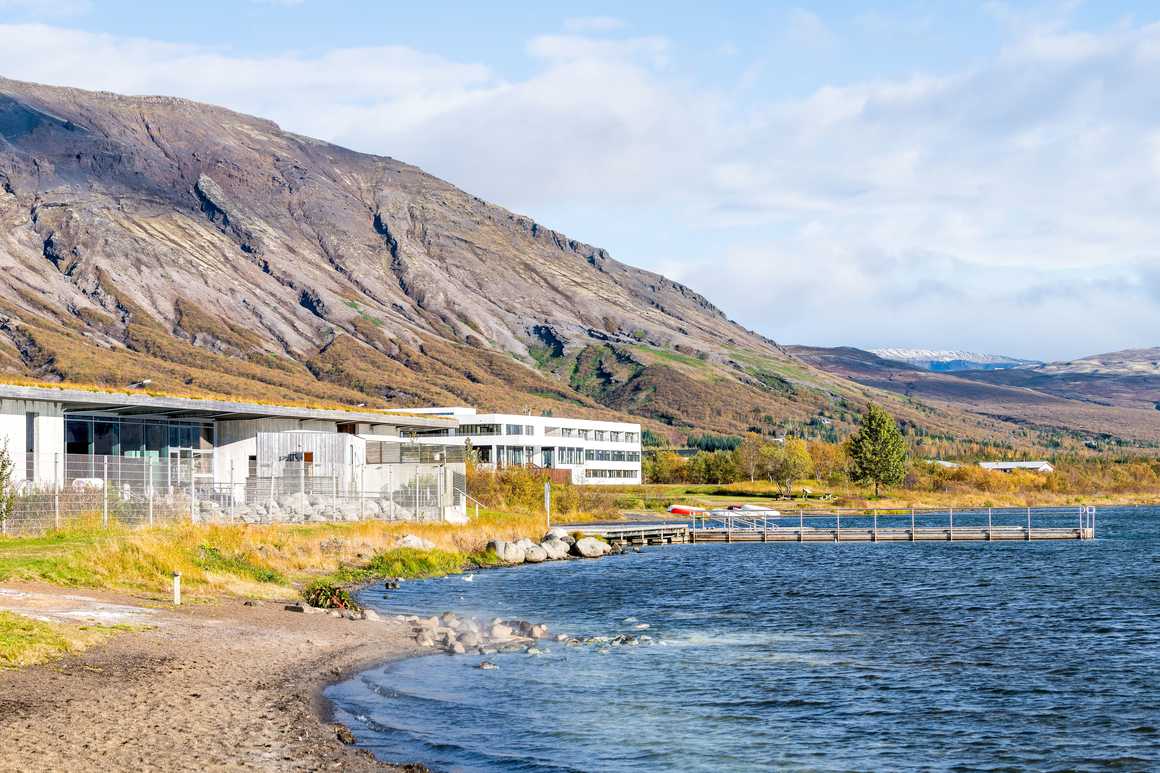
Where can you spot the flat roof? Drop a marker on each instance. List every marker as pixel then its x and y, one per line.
pixel 134 403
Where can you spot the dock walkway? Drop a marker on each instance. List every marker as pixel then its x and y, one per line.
pixel 916 525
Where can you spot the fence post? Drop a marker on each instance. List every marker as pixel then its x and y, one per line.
pixel 912 524
pixel 1029 524
pixel 152 480
pixel 951 533
pixel 56 483
pixel 989 524
pixel 875 525
pixel 192 492
pixel 105 498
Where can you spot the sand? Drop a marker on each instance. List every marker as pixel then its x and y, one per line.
pixel 211 686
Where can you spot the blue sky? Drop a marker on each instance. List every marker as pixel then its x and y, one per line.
pixel 979 176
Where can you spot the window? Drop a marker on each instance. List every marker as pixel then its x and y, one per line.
pixel 619 474
pixel 154 440
pixel 614 437
pixel 78 435
pixel 514 429
pixel 30 433
pixel 529 430
pixel 568 432
pixel 630 437
pixel 105 437
pixel 132 439
pixel 599 434
pixel 583 433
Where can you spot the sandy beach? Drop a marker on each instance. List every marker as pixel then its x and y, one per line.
pixel 209 686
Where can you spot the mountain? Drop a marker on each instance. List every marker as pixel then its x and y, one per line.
pixel 947 361
pixel 1093 407
pixel 216 254
pixel 1129 379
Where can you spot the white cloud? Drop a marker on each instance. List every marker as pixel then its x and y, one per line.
pixel 1008 206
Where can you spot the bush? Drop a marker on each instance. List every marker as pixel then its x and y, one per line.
pixel 212 559
pixel 325 595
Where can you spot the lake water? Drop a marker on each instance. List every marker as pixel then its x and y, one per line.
pixel 833 657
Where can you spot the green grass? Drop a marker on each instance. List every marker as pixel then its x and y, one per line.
pixel 25 642
pixel 671 356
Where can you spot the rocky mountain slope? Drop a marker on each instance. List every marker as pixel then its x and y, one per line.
pixel 215 253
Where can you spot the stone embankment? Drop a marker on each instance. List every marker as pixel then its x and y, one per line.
pixel 461 635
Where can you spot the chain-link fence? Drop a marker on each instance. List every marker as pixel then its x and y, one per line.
pixel 149 491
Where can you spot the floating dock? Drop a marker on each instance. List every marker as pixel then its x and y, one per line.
pixel 917 525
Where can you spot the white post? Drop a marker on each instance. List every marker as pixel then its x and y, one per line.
pixel 57 476
pixel 152 479
pixel 192 491
pixel 177 589
pixel 105 498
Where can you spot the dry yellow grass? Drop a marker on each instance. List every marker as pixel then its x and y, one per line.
pixel 26 642
pixel 260 561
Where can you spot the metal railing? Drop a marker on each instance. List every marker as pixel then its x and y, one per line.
pixel 987 519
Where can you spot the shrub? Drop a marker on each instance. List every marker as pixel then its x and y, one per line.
pixel 325 595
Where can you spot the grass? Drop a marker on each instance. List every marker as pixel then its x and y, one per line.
pixel 268 561
pixel 26 642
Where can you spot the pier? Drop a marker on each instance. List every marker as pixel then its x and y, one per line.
pixel 836 525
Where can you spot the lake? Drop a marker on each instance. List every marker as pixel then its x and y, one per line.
pixel 831 657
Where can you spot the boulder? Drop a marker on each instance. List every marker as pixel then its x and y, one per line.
pixel 535 554
pixel 500 631
pixel 411 541
pixel 508 552
pixel 555 549
pixel 525 543
pixel 590 547
pixel 557 532
pixel 295 503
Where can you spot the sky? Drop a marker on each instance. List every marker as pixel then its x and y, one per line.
pixel 982 176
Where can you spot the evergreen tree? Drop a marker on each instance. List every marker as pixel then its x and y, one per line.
pixel 877 450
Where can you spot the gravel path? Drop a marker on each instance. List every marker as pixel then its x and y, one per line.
pixel 219 686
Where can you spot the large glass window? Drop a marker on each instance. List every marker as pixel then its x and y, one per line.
pixel 105 438
pixel 132 439
pixel 77 436
pixel 155 437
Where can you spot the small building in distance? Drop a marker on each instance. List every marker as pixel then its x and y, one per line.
pixel 582 451
pixel 1037 466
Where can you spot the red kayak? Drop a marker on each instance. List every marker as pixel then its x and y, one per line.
pixel 686 510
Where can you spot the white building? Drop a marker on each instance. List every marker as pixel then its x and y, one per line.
pixel 240 453
pixel 1037 466
pixel 592 452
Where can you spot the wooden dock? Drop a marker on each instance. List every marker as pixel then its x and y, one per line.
pixel 930 525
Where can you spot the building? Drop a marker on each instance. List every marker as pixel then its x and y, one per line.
pixel 244 456
pixel 1038 466
pixel 591 452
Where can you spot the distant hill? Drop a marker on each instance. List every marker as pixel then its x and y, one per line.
pixel 949 361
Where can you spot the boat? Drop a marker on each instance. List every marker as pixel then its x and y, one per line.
pixel 686 510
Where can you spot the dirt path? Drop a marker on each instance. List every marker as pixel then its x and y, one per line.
pixel 218 686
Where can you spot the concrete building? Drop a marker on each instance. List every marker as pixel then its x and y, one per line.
pixel 240 454
pixel 591 452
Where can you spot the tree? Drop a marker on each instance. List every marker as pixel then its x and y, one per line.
pixel 749 455
pixel 7 486
pixel 665 467
pixel 877 450
pixel 791 464
pixel 829 460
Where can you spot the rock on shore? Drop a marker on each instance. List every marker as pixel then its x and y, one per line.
pixel 556 545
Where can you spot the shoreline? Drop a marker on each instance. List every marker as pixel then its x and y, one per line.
pixel 219 685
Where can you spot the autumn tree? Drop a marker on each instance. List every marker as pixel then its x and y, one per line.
pixel 791 464
pixel 830 460
pixel 877 450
